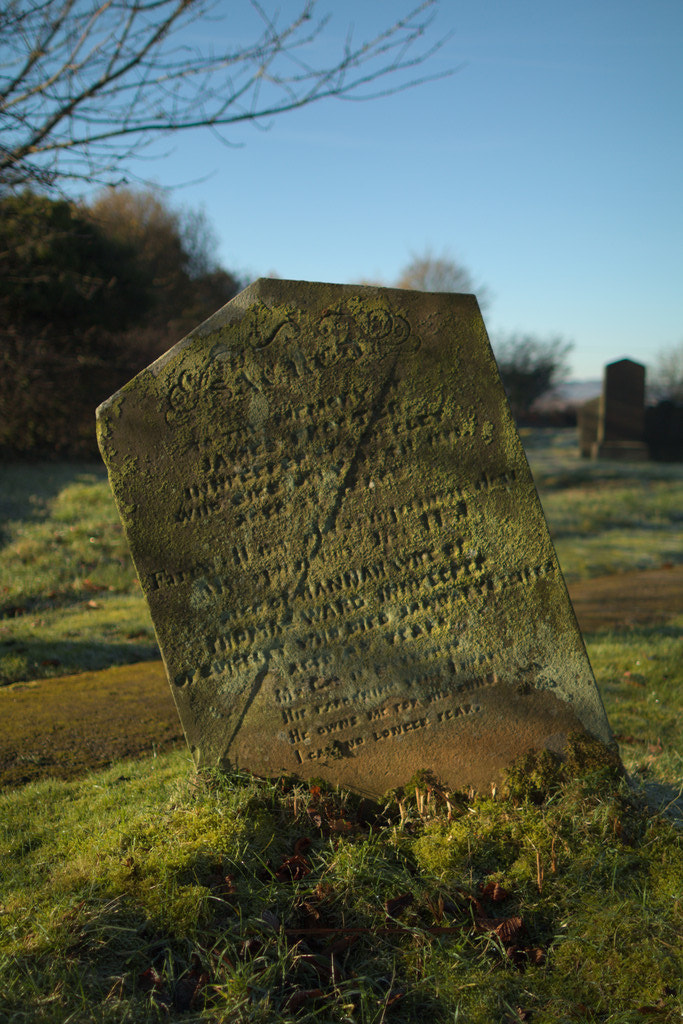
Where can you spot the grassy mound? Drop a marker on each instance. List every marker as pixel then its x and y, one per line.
pixel 132 896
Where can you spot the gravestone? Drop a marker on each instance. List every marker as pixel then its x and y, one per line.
pixel 621 421
pixel 342 548
pixel 588 418
pixel 664 431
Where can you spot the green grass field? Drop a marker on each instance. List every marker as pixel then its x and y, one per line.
pixel 146 892
pixel 606 517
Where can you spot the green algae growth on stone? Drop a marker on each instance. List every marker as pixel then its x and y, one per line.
pixel 341 544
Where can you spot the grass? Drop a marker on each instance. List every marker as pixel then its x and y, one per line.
pixel 87 635
pixel 606 517
pixel 69 597
pixel 61 538
pixel 640 677
pixel 146 892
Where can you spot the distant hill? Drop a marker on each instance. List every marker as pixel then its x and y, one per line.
pixel 568 396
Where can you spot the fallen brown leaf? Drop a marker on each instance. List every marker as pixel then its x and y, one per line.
pixel 221 885
pixel 92 587
pixel 341 945
pixel 397 904
pixel 321 965
pixel 293 869
pixel 302 996
pixel 495 892
pixel 394 999
pixel 188 989
pixel 150 980
pixel 509 930
pixel 339 825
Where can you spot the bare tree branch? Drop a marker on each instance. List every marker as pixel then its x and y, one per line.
pixel 430 272
pixel 86 85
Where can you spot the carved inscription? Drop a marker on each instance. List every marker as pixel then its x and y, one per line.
pixel 353 720
pixel 318 623
pixel 339 539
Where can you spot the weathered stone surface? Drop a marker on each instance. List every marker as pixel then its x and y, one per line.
pixel 588 418
pixel 341 544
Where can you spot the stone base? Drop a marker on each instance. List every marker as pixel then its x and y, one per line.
pixel 621 451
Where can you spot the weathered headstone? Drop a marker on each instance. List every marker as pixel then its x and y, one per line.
pixel 588 418
pixel 622 413
pixel 344 554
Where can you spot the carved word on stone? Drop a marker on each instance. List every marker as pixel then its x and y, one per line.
pixel 341 544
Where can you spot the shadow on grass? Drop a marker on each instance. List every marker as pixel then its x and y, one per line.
pixel 20 482
pixel 58 600
pixel 664 801
pixel 107 959
pixel 673 631
pixel 635 632
pixel 106 953
pixel 25 660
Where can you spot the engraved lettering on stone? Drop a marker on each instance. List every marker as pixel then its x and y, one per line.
pixel 335 528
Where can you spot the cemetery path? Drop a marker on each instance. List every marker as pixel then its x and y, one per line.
pixel 63 727
pixel 630 599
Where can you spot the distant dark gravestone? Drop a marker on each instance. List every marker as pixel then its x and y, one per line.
pixel 664 431
pixel 336 529
pixel 622 412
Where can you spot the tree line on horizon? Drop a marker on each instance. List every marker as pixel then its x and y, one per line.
pixel 92 292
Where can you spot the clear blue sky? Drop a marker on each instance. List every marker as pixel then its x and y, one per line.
pixel 551 165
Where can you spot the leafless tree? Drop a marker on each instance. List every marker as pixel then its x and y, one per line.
pixel 530 367
pixel 430 273
pixel 667 375
pixel 86 84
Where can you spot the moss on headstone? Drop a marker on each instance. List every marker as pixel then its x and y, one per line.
pixel 341 544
